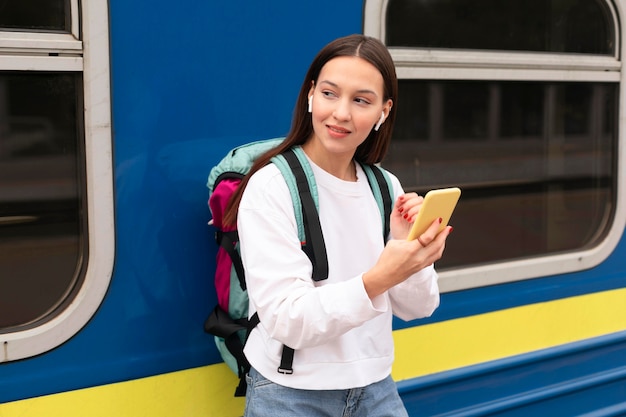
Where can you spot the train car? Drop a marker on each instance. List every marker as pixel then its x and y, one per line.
pixel 113 113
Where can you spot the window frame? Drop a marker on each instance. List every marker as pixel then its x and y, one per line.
pixel 44 43
pixel 89 54
pixel 456 64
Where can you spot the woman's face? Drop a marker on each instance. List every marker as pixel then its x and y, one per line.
pixel 347 102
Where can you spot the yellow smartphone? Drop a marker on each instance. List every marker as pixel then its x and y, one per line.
pixel 437 203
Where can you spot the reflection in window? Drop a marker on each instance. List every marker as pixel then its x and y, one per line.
pixel 535 161
pixel 40 194
pixel 578 26
pixel 49 15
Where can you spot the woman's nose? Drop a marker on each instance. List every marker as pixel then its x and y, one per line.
pixel 342 111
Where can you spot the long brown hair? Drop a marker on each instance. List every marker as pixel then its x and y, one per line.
pixel 373 149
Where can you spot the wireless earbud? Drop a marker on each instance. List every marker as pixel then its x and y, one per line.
pixel 310 104
pixel 380 121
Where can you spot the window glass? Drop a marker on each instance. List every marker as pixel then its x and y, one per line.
pixel 535 160
pixel 578 26
pixel 40 194
pixel 48 15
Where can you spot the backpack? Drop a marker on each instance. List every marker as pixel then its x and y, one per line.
pixel 228 321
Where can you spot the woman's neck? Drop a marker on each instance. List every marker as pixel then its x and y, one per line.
pixel 339 165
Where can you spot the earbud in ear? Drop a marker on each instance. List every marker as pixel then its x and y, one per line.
pixel 380 121
pixel 310 104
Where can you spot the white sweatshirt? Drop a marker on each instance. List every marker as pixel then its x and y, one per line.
pixel 342 339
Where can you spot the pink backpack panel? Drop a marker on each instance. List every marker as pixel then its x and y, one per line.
pixel 217 203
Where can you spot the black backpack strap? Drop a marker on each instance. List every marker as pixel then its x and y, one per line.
pixel 243 371
pixel 227 240
pixel 286 361
pixel 252 323
pixel 314 247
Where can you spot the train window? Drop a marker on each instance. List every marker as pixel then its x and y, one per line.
pixel 35 14
pixel 524 25
pixel 536 157
pixel 40 193
pixel 525 121
pixel 55 140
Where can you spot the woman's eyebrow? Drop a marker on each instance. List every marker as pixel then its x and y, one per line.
pixel 363 91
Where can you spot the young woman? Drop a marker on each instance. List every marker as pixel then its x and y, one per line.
pixel 340 328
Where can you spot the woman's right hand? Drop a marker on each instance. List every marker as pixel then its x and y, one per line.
pixel 401 258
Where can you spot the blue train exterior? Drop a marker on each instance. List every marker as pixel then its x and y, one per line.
pixel 191 80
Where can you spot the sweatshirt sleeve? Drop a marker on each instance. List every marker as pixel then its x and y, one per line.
pixel 417 297
pixel 292 308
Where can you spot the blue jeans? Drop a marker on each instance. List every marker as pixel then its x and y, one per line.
pixel 267 399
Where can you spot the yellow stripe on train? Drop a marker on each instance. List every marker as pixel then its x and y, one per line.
pixel 486 337
pixel 208 391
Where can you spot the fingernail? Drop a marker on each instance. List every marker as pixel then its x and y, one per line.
pixel 401 209
pixel 451 229
pixel 440 220
pixel 406 216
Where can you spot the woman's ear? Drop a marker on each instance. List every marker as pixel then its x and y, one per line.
pixel 311 91
pixel 384 114
pixel 388 106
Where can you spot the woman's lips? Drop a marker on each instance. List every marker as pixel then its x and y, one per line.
pixel 337 131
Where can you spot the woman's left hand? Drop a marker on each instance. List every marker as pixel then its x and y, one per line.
pixel 404 213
